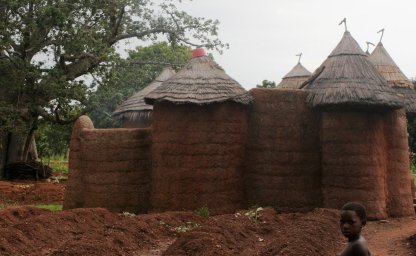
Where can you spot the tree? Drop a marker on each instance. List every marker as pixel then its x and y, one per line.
pixel 46 46
pixel 267 84
pixel 132 74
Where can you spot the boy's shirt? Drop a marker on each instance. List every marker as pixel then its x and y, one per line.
pixel 358 247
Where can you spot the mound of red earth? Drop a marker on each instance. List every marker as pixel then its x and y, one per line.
pixel 29 192
pixel 96 231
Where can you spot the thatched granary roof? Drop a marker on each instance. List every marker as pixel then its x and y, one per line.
pixel 348 78
pixel 201 81
pixel 135 107
pixel 295 77
pixel 394 76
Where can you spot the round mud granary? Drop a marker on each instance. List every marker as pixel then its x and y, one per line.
pixel 355 101
pixel 199 129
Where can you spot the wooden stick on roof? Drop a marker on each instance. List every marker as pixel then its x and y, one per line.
pixel 300 56
pixel 345 23
pixel 368 45
pixel 382 33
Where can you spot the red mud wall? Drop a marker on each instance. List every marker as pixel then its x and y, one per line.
pixel 197 156
pixel 399 198
pixel 354 160
pixel 114 170
pixel 283 158
pixel 74 194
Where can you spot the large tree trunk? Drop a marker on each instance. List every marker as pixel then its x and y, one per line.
pixel 15 149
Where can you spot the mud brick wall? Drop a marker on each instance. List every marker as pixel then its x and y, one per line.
pixel 282 167
pixel 354 162
pixel 197 156
pixel 74 192
pixel 399 197
pixel 113 169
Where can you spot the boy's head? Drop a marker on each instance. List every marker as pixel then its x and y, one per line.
pixel 353 218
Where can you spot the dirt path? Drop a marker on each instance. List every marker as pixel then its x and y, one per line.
pixel 389 239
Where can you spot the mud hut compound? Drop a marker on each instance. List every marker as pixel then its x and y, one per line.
pixel 134 112
pixel 199 133
pixel 203 150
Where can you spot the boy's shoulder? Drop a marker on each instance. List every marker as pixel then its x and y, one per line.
pixel 357 248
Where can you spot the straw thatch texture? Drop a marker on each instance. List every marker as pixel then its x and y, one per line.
pixel 74 192
pixel 201 81
pixel 354 160
pixel 282 158
pixel 134 110
pixel 197 156
pixel 295 78
pixel 398 178
pixel 348 79
pixel 395 78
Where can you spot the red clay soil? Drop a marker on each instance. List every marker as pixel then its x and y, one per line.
pixel 96 231
pixel 30 192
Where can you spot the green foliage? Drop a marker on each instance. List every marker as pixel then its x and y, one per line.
pixel 254 214
pixel 203 211
pixel 52 139
pixel 267 84
pixel 129 76
pixel 48 47
pixel 50 207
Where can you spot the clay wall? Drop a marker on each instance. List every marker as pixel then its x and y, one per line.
pixel 354 160
pixel 282 165
pixel 277 152
pixel 197 155
pixel 400 195
pixel 112 169
pixel 74 193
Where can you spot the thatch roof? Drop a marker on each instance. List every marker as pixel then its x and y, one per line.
pixel 135 106
pixel 348 78
pixel 295 77
pixel 201 81
pixel 394 76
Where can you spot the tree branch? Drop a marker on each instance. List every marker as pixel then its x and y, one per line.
pixel 56 118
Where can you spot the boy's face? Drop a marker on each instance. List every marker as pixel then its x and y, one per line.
pixel 351 225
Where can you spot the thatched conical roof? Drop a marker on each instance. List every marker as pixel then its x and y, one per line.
pixel 348 78
pixel 201 81
pixel 135 106
pixel 295 77
pixel 394 76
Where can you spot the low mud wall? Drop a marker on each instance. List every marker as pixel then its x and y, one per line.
pixel 282 165
pixel 111 169
pixel 198 154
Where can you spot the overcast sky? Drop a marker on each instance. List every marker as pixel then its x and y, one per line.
pixel 265 35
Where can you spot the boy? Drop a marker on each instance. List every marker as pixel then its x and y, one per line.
pixel 353 219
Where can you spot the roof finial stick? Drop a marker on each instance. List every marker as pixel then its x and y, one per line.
pixel 382 33
pixel 368 45
pixel 345 23
pixel 300 56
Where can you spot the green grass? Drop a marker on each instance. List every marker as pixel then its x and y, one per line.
pixel 51 207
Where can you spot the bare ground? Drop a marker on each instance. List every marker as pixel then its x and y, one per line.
pixel 32 231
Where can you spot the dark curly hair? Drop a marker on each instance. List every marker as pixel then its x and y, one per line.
pixel 358 208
